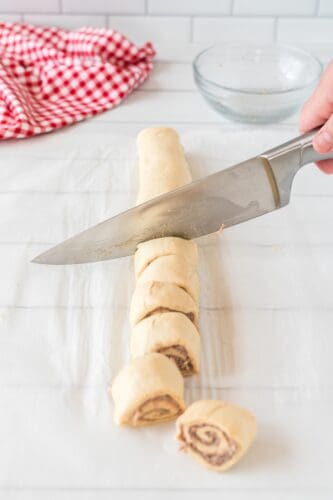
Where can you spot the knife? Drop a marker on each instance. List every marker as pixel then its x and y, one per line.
pixel 252 188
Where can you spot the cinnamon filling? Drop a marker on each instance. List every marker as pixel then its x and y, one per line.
pixel 210 442
pixel 156 409
pixel 180 356
pixel 160 310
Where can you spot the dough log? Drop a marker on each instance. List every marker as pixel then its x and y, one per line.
pixel 155 297
pixel 164 308
pixel 172 334
pixel 217 434
pixel 148 390
pixel 162 164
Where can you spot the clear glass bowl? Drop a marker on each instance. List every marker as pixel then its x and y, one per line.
pixel 256 84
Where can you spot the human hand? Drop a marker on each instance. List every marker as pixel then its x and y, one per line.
pixel 318 110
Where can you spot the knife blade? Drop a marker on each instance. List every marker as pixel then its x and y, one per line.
pixel 250 189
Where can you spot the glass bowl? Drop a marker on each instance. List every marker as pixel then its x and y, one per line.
pixel 256 84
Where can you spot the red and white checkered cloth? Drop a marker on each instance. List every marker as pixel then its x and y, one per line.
pixel 50 77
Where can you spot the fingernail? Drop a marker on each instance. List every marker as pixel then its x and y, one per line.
pixel 323 141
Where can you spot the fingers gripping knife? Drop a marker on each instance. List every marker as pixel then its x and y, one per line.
pixel 234 195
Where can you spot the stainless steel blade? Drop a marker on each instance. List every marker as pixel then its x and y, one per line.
pixel 247 190
pixel 229 197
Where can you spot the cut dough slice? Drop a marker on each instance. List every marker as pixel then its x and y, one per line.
pixel 155 297
pixel 150 250
pixel 217 434
pixel 162 164
pixel 173 269
pixel 171 334
pixel 148 390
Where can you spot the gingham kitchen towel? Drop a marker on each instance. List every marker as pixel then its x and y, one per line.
pixel 50 77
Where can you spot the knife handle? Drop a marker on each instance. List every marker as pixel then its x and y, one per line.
pixel 308 153
pixel 286 160
pixel 301 145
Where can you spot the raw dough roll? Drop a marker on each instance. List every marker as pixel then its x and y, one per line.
pixel 171 334
pixel 151 250
pixel 217 434
pixel 173 269
pixel 162 164
pixel 148 390
pixel 156 297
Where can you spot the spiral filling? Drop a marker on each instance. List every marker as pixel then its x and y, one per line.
pixel 210 442
pixel 160 310
pixel 180 356
pixel 156 409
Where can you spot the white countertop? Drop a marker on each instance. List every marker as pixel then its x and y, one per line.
pixel 266 314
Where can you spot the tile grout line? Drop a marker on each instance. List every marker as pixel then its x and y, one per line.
pixel 211 15
pixel 275 29
pixel 214 15
pixel 191 29
pixel 317 8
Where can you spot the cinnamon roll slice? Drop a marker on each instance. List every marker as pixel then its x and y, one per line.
pixel 151 250
pixel 173 269
pixel 172 334
pixel 148 390
pixel 154 297
pixel 217 434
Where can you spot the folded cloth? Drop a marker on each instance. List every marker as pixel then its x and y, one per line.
pixel 50 77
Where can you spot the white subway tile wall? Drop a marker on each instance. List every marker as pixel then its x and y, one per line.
pixel 21 6
pixel 213 29
pixel 104 6
pixel 65 21
pixel 275 8
pixel 326 8
pixel 190 7
pixel 156 29
pixel 10 18
pixel 170 22
pixel 311 30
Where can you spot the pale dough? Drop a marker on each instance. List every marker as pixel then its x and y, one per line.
pixel 155 297
pixel 217 434
pixel 164 308
pixel 172 334
pixel 162 164
pixel 150 250
pixel 173 269
pixel 148 390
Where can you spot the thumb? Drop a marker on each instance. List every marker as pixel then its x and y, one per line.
pixel 323 140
